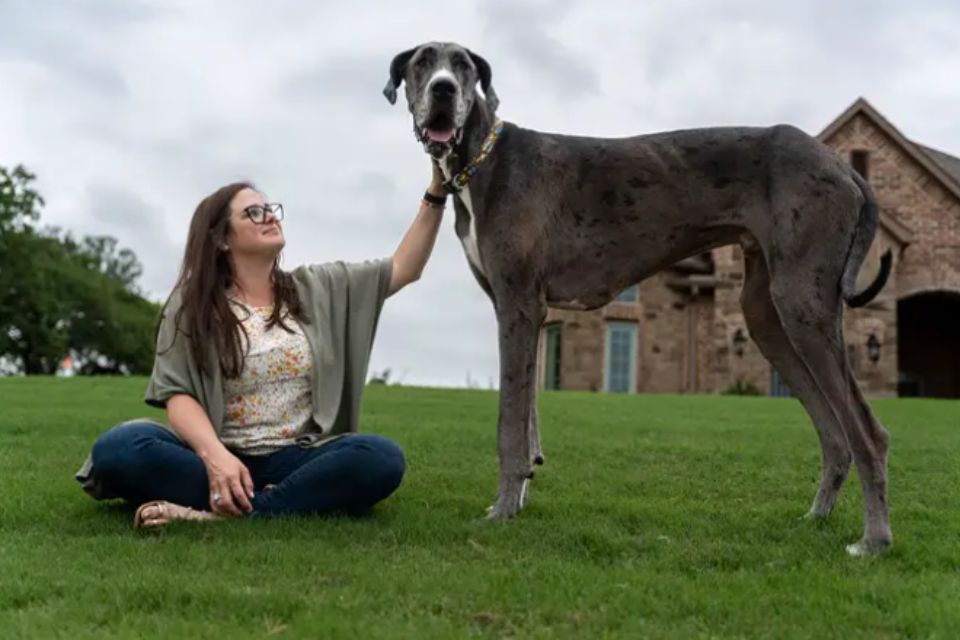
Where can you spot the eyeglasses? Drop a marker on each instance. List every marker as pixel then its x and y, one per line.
pixel 258 213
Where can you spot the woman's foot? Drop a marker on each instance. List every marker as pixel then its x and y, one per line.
pixel 161 512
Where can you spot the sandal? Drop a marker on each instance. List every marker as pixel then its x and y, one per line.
pixel 160 512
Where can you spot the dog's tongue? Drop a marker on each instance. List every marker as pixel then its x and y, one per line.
pixel 439 135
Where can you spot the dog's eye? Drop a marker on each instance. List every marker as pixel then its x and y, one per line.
pixel 460 63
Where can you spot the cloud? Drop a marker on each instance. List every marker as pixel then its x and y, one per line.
pixel 138 225
pixel 521 33
pixel 352 81
pixel 69 40
pixel 131 112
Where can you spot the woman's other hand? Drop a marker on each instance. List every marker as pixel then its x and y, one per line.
pixel 230 481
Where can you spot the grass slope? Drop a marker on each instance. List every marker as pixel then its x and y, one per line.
pixel 655 516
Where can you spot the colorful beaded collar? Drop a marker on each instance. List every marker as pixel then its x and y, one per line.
pixel 459 181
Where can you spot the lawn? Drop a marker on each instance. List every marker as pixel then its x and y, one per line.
pixel 654 517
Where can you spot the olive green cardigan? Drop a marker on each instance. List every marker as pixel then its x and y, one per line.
pixel 341 302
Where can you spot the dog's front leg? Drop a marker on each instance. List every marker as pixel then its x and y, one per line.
pixel 518 354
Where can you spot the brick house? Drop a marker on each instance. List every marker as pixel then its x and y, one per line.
pixel 682 331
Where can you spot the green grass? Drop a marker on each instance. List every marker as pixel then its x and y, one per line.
pixel 655 517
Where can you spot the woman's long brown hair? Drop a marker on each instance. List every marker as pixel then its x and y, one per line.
pixel 205 276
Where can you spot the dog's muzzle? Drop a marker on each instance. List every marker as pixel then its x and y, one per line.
pixel 438 140
pixel 438 131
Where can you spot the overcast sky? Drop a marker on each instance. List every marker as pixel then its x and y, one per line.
pixel 130 112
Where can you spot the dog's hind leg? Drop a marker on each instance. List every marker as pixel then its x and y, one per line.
pixel 518 326
pixel 810 313
pixel 536 448
pixel 536 451
pixel 766 329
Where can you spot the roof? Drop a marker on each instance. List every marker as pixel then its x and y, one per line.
pixel 948 163
pixel 944 167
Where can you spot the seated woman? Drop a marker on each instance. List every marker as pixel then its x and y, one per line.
pixel 260 371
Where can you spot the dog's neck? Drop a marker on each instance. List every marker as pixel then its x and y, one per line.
pixel 475 131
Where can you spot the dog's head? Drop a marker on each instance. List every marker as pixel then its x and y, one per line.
pixel 441 80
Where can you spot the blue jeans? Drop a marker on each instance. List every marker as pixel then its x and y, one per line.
pixel 141 461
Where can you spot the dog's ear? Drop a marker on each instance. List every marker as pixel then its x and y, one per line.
pixel 486 75
pixel 398 69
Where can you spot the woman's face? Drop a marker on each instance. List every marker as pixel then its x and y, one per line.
pixel 254 229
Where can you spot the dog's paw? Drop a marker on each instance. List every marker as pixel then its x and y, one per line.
pixel 814 516
pixel 510 501
pixel 497 512
pixel 866 548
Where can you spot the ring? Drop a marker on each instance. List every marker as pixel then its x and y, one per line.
pixel 216 497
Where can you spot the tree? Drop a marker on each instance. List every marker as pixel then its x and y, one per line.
pixel 25 333
pixel 19 204
pixel 112 328
pixel 99 253
pixel 59 295
pixel 35 290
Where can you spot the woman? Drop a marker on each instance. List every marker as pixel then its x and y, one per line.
pixel 260 372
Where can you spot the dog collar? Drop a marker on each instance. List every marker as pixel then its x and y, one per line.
pixel 459 181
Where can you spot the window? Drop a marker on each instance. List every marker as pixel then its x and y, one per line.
pixel 551 378
pixel 621 357
pixel 778 388
pixel 627 295
pixel 859 159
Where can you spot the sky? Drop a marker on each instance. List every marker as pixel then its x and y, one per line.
pixel 130 112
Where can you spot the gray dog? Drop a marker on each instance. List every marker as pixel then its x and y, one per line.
pixel 567 221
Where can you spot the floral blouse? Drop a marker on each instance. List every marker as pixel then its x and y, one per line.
pixel 269 405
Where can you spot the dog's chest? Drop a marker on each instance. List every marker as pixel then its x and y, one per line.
pixel 469 237
pixel 467 232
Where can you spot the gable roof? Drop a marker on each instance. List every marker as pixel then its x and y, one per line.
pixel 948 163
pixel 944 167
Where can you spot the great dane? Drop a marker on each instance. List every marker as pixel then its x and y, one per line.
pixel 566 221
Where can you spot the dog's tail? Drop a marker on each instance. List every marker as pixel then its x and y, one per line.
pixel 862 238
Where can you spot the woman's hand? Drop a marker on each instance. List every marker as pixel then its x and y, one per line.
pixel 436 182
pixel 230 480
